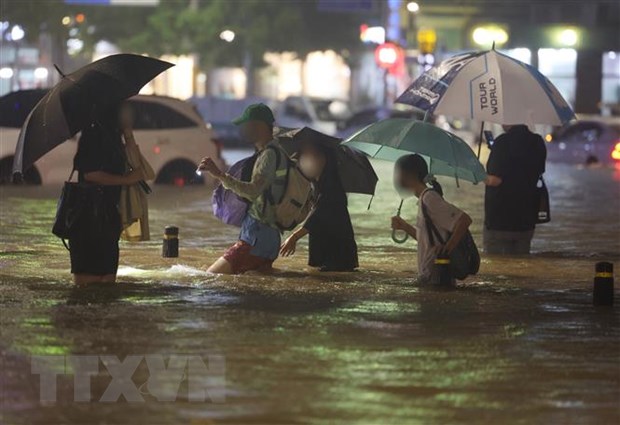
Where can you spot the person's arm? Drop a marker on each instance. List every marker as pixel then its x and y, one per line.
pixel 107 179
pixel 130 140
pixel 492 180
pixel 399 224
pixel 460 229
pixel 290 245
pixel 263 174
pixel 447 217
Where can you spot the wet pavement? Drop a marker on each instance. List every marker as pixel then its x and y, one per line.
pixel 520 343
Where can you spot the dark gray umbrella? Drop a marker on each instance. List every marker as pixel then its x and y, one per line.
pixel 68 107
pixel 354 168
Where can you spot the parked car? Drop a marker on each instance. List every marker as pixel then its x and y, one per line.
pixel 220 112
pixel 589 140
pixel 365 117
pixel 321 114
pixel 172 136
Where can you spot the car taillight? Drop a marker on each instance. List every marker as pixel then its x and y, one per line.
pixel 615 154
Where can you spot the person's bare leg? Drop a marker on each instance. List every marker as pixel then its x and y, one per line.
pixel 221 266
pixel 109 278
pixel 85 279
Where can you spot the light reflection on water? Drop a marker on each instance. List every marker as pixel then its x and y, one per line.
pixel 519 343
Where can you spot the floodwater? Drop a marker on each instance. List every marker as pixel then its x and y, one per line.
pixel 520 343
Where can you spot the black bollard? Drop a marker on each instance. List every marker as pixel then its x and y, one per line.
pixel 442 270
pixel 603 292
pixel 170 248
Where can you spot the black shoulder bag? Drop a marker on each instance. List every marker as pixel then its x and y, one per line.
pixel 74 201
pixel 465 258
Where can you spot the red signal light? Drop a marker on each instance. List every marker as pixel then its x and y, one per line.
pixel 391 57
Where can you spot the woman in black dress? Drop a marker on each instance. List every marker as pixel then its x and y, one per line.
pixel 100 161
pixel 332 244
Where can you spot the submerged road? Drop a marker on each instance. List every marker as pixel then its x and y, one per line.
pixel 520 343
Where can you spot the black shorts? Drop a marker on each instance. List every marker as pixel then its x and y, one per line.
pixel 94 251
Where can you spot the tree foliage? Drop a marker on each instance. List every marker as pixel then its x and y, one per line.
pixel 194 26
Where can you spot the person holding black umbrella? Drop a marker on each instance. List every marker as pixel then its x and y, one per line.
pixel 332 244
pixel 100 161
pixel 89 101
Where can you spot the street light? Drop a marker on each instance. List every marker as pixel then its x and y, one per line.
pixel 227 35
pixel 413 7
pixel 568 37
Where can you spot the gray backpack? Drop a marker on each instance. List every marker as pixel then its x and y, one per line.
pixel 290 192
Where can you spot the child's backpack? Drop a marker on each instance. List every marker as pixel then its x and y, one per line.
pixel 465 258
pixel 290 192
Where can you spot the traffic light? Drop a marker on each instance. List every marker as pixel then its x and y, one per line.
pixel 390 57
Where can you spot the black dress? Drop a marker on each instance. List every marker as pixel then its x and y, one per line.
pixel 332 242
pixel 95 249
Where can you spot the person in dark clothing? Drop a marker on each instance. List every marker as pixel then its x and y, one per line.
pixel 511 201
pixel 332 244
pixel 100 161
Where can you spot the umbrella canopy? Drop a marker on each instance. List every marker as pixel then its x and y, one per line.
pixel 16 106
pixel 489 86
pixel 68 107
pixel 445 153
pixel 354 168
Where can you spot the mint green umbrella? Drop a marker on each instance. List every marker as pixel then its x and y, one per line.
pixel 445 153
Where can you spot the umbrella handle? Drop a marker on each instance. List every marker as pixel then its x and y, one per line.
pixel 395 237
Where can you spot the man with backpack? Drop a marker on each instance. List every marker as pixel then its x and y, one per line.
pixel 259 239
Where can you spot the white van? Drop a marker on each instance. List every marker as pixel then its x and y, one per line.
pixel 172 136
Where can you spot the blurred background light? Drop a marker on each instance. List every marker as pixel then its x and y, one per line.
pixel 372 34
pixel 568 37
pixel 413 7
pixel 17 33
pixel 41 73
pixel 228 36
pixel 6 73
pixel 489 34
pixel 74 46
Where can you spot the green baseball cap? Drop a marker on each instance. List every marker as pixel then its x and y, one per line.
pixel 256 112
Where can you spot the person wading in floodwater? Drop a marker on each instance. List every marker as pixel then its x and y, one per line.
pixel 100 160
pixel 412 178
pixel 511 202
pixel 332 246
pixel 259 240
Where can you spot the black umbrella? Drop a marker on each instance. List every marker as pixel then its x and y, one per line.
pixel 354 169
pixel 69 106
pixel 16 106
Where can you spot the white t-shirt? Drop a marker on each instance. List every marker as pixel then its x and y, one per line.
pixel 444 216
